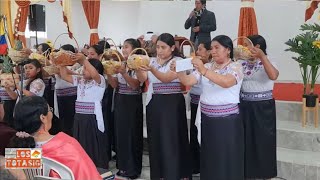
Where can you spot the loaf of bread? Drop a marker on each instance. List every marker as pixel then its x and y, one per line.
pixel 110 66
pixel 8 79
pixel 135 61
pixel 62 58
pixel 41 58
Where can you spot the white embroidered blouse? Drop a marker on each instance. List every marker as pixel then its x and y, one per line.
pixel 255 77
pixel 213 94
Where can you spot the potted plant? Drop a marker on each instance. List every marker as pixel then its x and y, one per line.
pixel 307 47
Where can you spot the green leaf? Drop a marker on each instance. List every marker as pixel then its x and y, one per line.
pixel 306 54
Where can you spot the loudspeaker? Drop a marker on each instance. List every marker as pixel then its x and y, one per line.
pixel 37 17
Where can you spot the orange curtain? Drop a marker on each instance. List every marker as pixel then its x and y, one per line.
pixel 92 11
pixel 247 21
pixel 311 9
pixel 21 20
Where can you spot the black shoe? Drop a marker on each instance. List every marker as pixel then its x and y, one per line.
pixel 132 177
pixel 120 173
pixel 123 174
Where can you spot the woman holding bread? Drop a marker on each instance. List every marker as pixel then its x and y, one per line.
pixel 218 119
pixel 128 116
pixel 167 129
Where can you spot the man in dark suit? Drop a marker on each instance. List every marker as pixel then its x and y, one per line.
pixel 202 22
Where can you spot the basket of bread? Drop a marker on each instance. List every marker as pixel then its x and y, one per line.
pixel 62 58
pixel 111 61
pixel 112 45
pixel 241 49
pixel 42 58
pixel 135 61
pixel 191 44
pixel 17 54
pixel 7 77
pixel 51 69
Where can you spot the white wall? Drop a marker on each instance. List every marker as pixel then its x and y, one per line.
pixel 278 20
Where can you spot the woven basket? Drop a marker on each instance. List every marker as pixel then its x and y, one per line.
pixel 51 70
pixel 17 56
pixel 240 51
pixel 41 58
pixel 135 61
pixel 110 65
pixel 11 79
pixel 63 58
pixel 113 44
pixel 192 54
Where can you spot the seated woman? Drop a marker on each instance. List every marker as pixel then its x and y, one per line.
pixel 33 116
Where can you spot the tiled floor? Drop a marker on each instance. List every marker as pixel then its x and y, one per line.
pixel 145 175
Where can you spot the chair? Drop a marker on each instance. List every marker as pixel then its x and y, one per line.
pixel 44 178
pixel 47 165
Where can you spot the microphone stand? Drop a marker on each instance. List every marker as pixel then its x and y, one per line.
pixel 22 79
pixel 21 65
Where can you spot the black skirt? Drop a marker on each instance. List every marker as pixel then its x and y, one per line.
pixel 49 96
pixel 8 107
pixel 93 141
pixel 109 117
pixel 169 150
pixel 194 144
pixel 49 91
pixel 129 133
pixel 222 148
pixel 107 120
pixel 66 105
pixel 259 119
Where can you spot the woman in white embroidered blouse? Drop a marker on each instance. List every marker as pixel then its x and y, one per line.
pixel 88 126
pixel 33 85
pixel 66 94
pixel 204 52
pixel 128 116
pixel 166 115
pixel 222 145
pixel 258 111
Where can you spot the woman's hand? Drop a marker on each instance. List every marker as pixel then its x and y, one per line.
pixel 257 53
pixel 6 85
pixel 26 51
pixel 198 64
pixel 78 57
pixel 144 68
pixel 122 69
pixel 173 66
